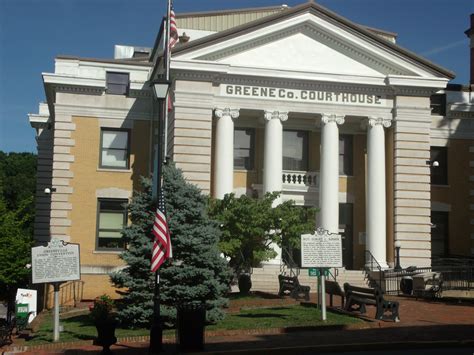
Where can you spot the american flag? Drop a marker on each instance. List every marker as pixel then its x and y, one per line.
pixel 162 242
pixel 173 29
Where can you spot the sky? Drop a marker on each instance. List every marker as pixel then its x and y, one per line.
pixel 34 32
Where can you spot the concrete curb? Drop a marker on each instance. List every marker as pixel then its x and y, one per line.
pixel 170 339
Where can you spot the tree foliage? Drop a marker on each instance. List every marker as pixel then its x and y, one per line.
pixel 197 275
pixel 17 189
pixel 250 227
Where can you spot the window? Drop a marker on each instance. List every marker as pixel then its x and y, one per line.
pixel 345 154
pixel 295 150
pixel 438 104
pixel 114 149
pixel 111 218
pixel 244 148
pixel 439 165
pixel 117 83
pixel 439 233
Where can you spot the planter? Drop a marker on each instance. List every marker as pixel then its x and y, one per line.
pixel 191 320
pixel 106 334
pixel 245 283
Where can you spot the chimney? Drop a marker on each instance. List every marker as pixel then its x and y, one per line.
pixel 470 34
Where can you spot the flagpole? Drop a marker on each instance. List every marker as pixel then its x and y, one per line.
pixel 156 330
pixel 167 73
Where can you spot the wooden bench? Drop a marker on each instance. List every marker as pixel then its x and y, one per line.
pixel 362 296
pixel 291 284
pixel 6 330
pixel 333 288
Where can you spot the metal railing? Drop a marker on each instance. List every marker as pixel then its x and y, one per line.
pixel 453 277
pixel 288 263
pixel 392 279
pixel 371 265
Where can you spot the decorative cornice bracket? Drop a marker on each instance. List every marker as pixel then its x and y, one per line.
pixel 221 112
pixel 281 115
pixel 327 118
pixel 373 121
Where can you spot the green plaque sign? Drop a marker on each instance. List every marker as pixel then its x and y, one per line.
pixel 316 272
pixel 22 310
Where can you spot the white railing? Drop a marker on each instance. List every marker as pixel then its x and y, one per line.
pixel 301 178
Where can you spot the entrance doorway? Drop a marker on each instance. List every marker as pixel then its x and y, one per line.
pixel 346 230
pixel 439 234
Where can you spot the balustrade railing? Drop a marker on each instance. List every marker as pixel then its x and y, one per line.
pixel 301 178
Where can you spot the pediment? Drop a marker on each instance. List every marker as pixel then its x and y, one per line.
pixel 307 42
pixel 303 49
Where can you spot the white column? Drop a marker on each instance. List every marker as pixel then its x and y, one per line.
pixel 273 162
pixel 376 225
pixel 329 172
pixel 224 152
pixel 273 152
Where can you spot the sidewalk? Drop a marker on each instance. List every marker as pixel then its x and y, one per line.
pixel 423 323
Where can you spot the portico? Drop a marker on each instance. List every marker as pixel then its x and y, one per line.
pixel 322 190
pixel 321 109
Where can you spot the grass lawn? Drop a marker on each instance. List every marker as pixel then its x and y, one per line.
pixel 80 327
pixel 277 317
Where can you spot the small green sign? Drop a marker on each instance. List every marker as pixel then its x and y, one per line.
pixel 316 272
pixel 22 310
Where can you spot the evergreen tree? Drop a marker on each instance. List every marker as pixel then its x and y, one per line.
pixel 136 306
pixel 197 275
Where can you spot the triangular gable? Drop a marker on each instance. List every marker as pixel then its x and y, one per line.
pixel 308 38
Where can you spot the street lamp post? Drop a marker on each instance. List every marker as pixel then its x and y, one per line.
pixel 160 90
pixel 398 245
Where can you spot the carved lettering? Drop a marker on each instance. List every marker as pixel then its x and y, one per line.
pixel 331 97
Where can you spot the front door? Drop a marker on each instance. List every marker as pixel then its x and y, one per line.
pixel 346 231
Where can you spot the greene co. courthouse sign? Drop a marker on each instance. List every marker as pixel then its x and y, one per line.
pixel 332 97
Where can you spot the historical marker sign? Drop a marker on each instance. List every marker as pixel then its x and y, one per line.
pixel 56 262
pixel 321 250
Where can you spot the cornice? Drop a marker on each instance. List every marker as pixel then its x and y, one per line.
pixel 220 72
pixel 221 78
pixel 75 89
pixel 101 112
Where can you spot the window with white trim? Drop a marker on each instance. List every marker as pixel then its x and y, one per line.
pixel 346 154
pixel 244 148
pixel 111 218
pixel 295 150
pixel 117 83
pixel 114 148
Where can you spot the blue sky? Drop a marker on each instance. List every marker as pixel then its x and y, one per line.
pixel 33 32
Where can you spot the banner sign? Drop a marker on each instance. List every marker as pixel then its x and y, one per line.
pixel 326 97
pixel 56 262
pixel 321 250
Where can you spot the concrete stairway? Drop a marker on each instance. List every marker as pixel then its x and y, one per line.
pixel 265 278
pixel 354 277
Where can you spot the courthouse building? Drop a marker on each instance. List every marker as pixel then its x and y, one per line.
pixel 333 114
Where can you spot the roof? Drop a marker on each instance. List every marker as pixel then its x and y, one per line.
pixel 315 8
pixel 132 61
pixel 221 20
